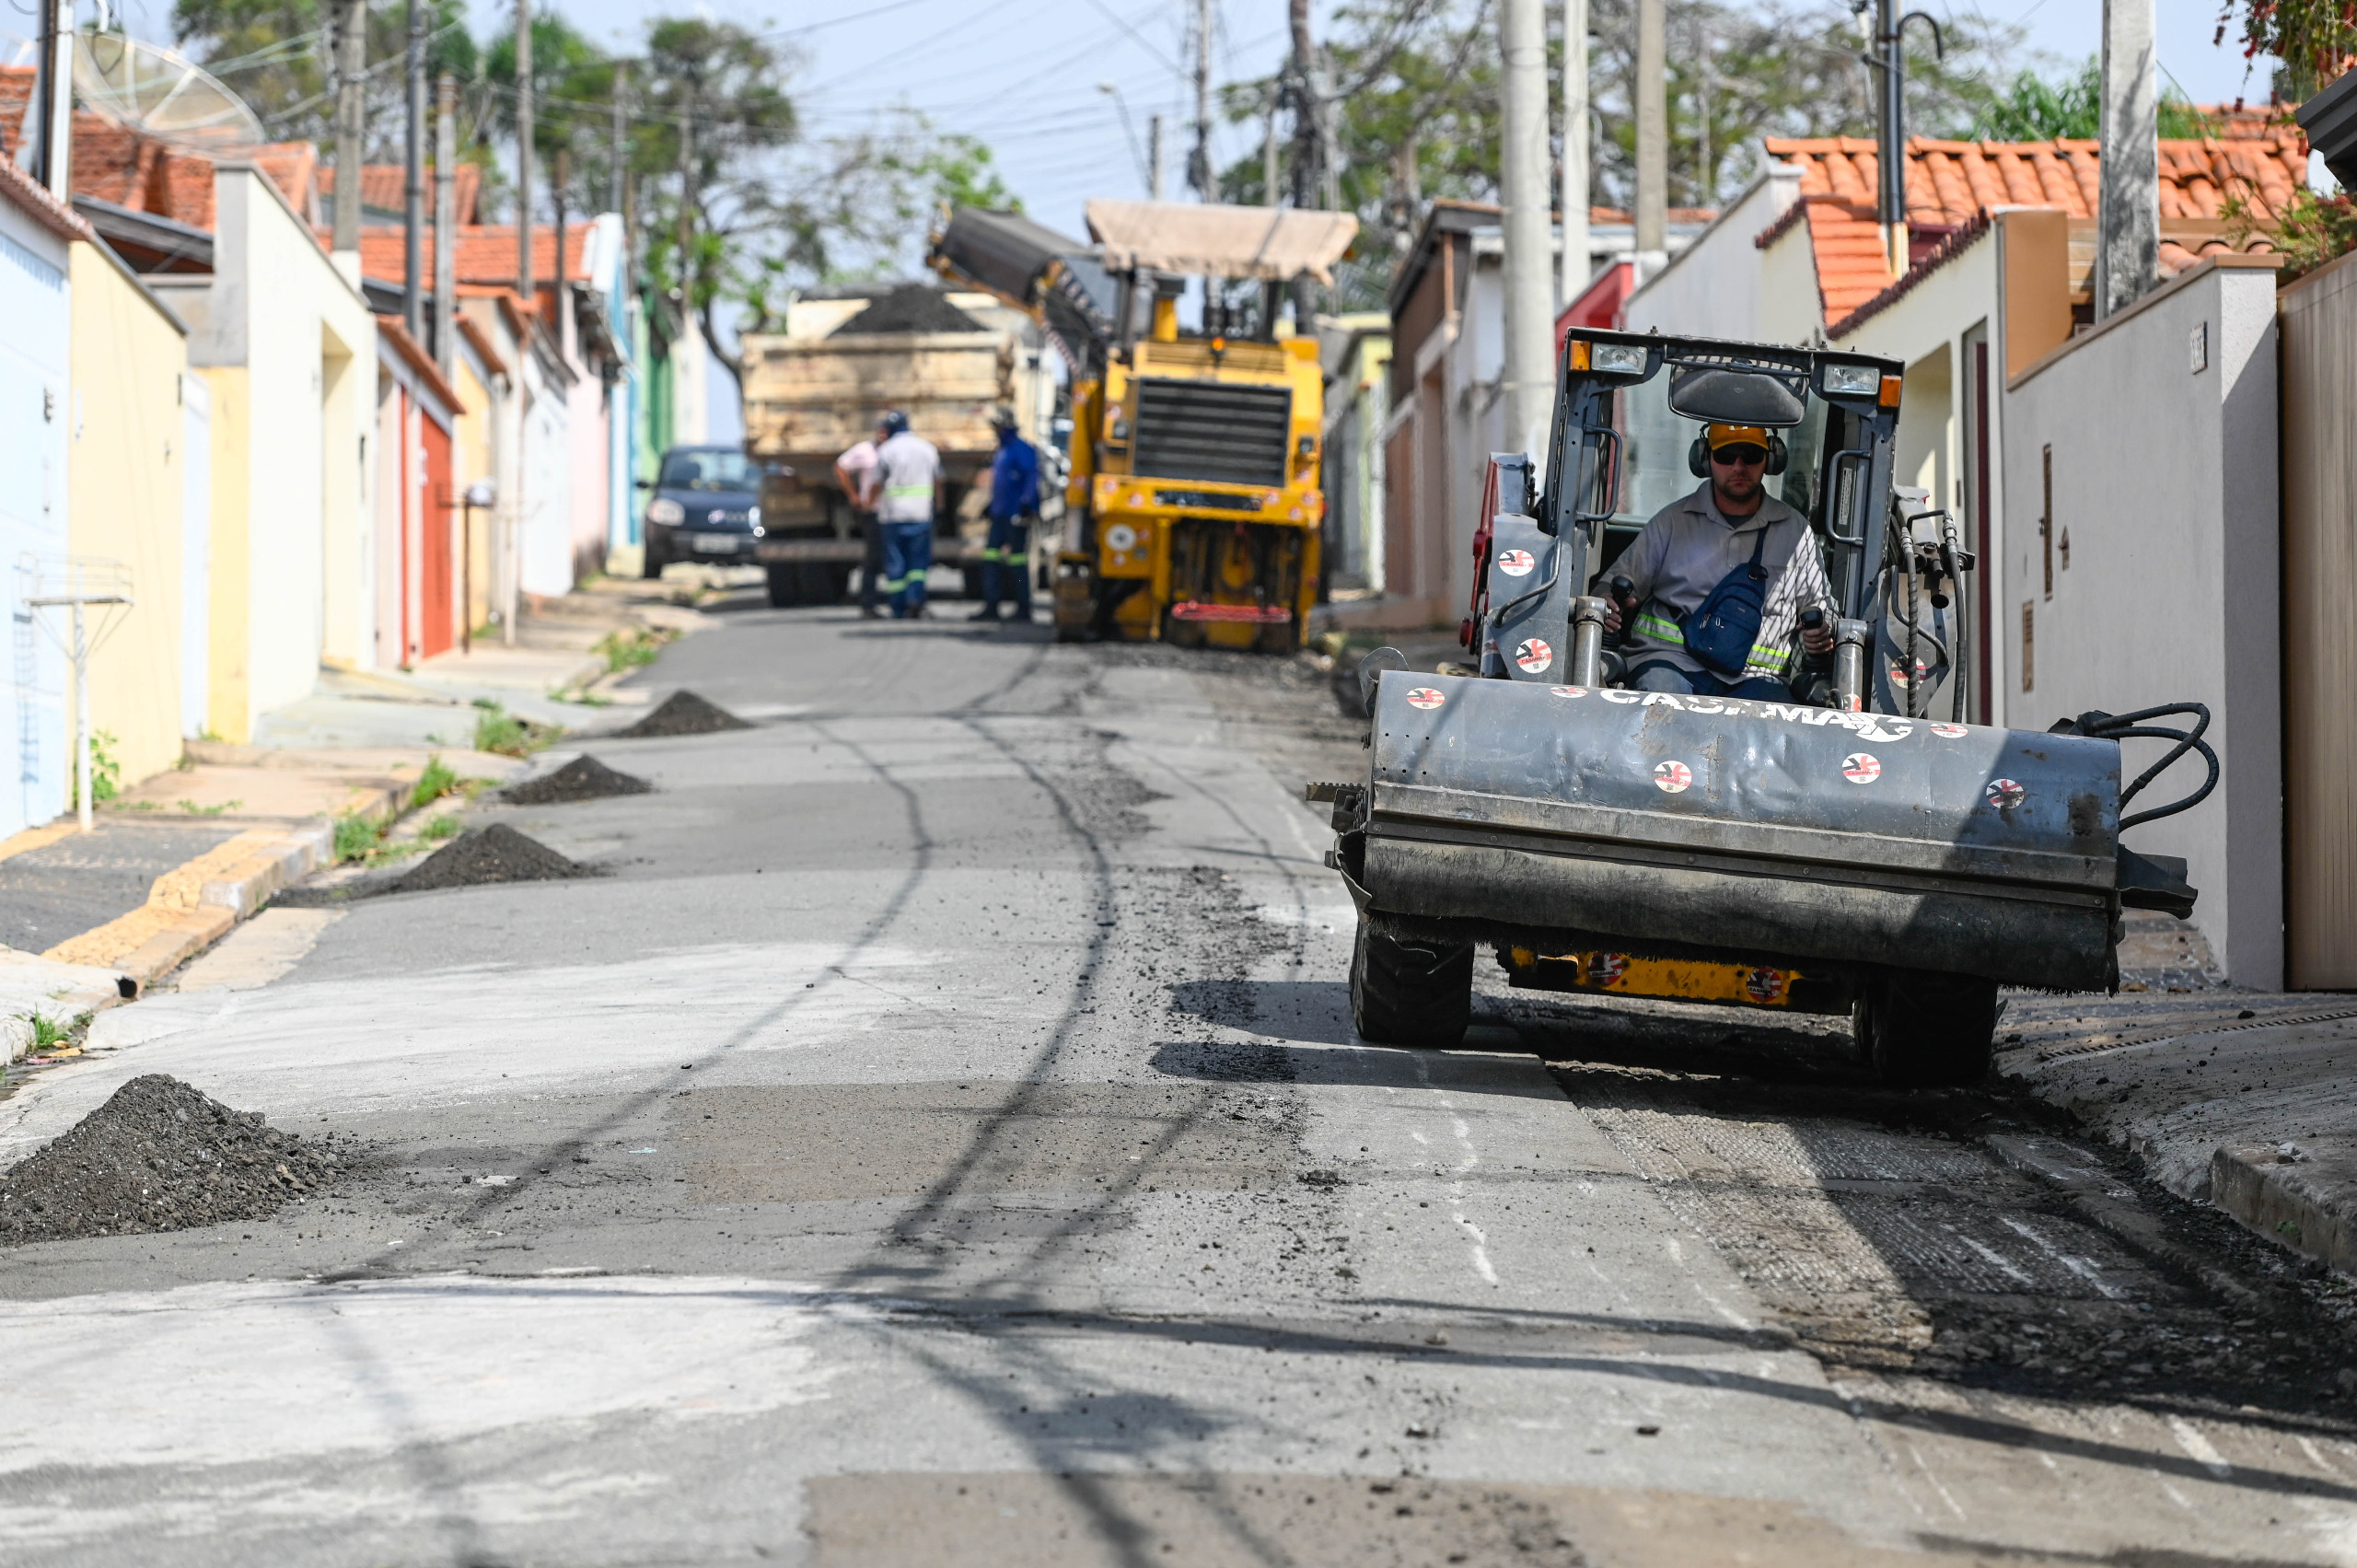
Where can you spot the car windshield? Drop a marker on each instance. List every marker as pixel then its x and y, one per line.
pixel 710 471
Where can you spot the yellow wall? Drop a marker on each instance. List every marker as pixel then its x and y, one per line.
pixel 472 457
pixel 230 688
pixel 126 477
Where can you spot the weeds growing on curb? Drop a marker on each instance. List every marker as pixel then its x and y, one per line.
pixel 629 649
pixel 498 730
pixel 439 827
pixel 357 832
pixel 194 810
pixel 434 783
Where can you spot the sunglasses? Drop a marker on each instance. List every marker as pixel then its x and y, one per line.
pixel 1739 453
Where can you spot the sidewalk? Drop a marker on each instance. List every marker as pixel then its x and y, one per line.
pixel 2247 1100
pixel 178 859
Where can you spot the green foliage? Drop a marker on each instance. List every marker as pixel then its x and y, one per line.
pixel 357 832
pixel 436 781
pixel 106 771
pixel 440 828
pixel 2042 109
pixel 498 730
pixel 191 808
pixel 278 55
pixel 2310 229
pixel 631 649
pixel 2315 38
pixel 48 1032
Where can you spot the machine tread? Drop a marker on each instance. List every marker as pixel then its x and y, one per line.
pixel 1413 994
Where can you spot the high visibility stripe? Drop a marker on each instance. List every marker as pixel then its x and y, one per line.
pixel 907 492
pixel 1655 626
pixel 1769 657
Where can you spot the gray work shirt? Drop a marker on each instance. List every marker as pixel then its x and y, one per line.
pixel 1685 552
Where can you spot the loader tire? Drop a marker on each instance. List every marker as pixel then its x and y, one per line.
pixel 1415 995
pixel 1924 1031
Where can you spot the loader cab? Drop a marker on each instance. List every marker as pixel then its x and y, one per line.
pixel 1630 407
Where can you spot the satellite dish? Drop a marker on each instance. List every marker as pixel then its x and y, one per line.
pixel 145 88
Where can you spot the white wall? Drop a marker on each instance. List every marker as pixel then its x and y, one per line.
pixel 35 394
pixel 196 551
pixel 1712 287
pixel 2166 485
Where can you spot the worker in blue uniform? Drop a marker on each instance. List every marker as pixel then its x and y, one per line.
pixel 1014 507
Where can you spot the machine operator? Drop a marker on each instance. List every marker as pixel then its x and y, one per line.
pixel 1713 591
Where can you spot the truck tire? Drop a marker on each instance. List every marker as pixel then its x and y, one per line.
pixel 1415 995
pixel 650 558
pixel 1922 1030
pixel 785 583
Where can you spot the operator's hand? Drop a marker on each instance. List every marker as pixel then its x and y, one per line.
pixel 1611 616
pixel 1816 639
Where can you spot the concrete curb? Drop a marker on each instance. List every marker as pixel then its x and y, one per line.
pixel 2264 1188
pixel 191 906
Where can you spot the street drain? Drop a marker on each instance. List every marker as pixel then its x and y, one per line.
pixel 682 712
pixel 158 1155
pixel 583 778
pixel 496 854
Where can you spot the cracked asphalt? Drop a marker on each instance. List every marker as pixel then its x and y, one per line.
pixel 939 1138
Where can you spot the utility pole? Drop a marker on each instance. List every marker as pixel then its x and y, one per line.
pixel 1891 177
pixel 1199 162
pixel 445 223
pixel 1706 188
pixel 1576 262
pixel 351 120
pixel 1309 156
pixel 1269 170
pixel 617 157
pixel 1652 131
pixel 54 154
pixel 524 279
pixel 1153 156
pixel 1530 323
pixel 413 185
pixel 687 205
pixel 2128 204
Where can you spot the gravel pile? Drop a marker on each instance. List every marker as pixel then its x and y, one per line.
pixel 496 854
pixel 911 307
pixel 583 778
pixel 682 712
pixel 158 1155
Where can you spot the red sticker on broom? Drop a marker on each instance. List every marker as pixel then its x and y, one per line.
pixel 1569 690
pixel 1425 697
pixel 2004 794
pixel 1949 731
pixel 1534 657
pixel 1673 777
pixel 1859 767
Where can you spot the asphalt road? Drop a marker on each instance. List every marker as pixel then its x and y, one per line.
pixel 939 1138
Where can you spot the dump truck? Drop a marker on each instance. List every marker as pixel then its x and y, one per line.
pixel 1193 503
pixel 815 390
pixel 1860 850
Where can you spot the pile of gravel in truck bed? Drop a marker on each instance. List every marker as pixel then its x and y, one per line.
pixel 158 1155
pixel 682 712
pixel 911 307
pixel 583 778
pixel 496 854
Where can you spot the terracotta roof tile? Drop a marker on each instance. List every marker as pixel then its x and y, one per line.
pixel 486 253
pixel 385 186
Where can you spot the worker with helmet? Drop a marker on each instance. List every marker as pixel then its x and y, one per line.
pixel 1712 593
pixel 1014 507
pixel 903 489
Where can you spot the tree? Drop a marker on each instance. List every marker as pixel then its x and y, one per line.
pixel 2315 38
pixel 2038 109
pixel 277 54
pixel 1417 87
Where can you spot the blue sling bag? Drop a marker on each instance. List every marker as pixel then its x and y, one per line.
pixel 1721 629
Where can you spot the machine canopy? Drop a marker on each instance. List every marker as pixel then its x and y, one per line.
pixel 1273 244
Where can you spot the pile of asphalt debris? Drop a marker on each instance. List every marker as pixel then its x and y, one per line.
pixel 682 712
pixel 583 778
pixel 911 307
pixel 496 854
pixel 160 1155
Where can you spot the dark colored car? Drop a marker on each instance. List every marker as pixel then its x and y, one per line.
pixel 706 506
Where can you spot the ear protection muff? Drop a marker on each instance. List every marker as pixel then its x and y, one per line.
pixel 1698 457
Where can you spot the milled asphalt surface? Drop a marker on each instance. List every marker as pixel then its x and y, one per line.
pixel 58 891
pixel 940 1138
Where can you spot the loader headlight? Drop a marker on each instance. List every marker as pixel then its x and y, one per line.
pixel 1850 380
pixel 1618 359
pixel 667 512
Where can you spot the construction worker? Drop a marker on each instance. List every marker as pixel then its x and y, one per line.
pixel 1712 590
pixel 902 490
pixel 851 473
pixel 1014 507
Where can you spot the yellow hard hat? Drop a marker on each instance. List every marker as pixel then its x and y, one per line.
pixel 1717 436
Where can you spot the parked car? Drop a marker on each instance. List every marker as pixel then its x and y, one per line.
pixel 706 506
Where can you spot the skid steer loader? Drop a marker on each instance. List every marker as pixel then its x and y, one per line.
pixel 1858 850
